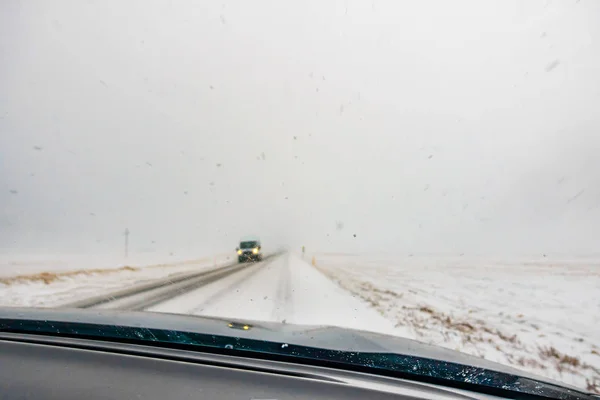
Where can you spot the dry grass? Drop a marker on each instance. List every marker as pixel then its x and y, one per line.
pixel 530 362
pixel 574 361
pixel 49 277
pixel 593 385
pixel 511 339
pixel 464 327
pixel 567 362
pixel 552 353
pixel 549 352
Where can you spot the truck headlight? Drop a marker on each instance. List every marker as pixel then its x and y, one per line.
pixel 240 252
pixel 255 251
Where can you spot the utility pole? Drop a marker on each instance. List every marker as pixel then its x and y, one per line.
pixel 126 242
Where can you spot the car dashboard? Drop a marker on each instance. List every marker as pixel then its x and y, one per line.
pixel 49 367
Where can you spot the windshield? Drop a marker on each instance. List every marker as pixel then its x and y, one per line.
pixel 425 170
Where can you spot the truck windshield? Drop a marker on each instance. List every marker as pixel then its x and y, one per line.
pixel 248 245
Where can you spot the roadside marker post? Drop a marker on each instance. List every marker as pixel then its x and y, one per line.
pixel 126 242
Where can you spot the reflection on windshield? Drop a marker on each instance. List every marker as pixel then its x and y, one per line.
pixel 426 170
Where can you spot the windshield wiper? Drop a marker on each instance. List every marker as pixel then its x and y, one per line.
pixel 387 364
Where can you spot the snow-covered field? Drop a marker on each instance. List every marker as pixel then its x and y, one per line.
pixel 539 315
pixel 51 281
pixel 26 264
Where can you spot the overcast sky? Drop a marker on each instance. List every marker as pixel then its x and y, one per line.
pixel 418 126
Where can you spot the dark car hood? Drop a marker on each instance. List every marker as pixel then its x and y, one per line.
pixel 326 337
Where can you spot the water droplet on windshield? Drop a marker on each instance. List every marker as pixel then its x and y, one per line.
pixel 229 346
pixel 283 346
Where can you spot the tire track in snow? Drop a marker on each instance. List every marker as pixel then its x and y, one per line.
pixel 283 302
pixel 243 277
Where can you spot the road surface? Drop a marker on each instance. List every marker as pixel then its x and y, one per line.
pixel 282 288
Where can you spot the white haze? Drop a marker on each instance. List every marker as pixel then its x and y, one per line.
pixel 356 126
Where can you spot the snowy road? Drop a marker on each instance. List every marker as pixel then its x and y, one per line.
pixel 283 289
pixel 505 311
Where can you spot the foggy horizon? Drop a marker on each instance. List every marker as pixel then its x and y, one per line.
pixel 343 126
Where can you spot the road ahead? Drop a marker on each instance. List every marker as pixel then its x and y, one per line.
pixel 283 288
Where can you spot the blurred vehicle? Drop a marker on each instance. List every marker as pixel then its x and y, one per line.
pixel 250 249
